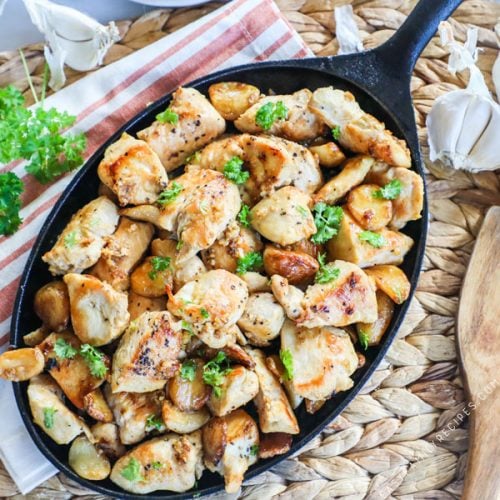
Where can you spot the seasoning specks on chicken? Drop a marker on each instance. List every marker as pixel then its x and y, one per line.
pixel 248 248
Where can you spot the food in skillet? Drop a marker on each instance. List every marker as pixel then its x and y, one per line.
pixel 183 304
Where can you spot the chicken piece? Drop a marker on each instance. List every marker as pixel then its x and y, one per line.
pixel 272 163
pixel 262 319
pixel 199 214
pixel 275 412
pixel 239 387
pixel 256 282
pixel 21 364
pixel 370 211
pixel 108 440
pixel 96 406
pixel 323 360
pixel 122 251
pixel 79 245
pixel 349 245
pixel 146 356
pixel 276 367
pixel 198 124
pixel 231 99
pixel 99 313
pixel 299 125
pixel 32 339
pixel 133 171
pixel 329 154
pixel 50 413
pixel 183 422
pixel 299 268
pixel 234 244
pixel 347 299
pixel 51 305
pixel 169 462
pixel 359 131
pixel 284 217
pixel 212 303
pixel 410 202
pixel 137 304
pixel 72 374
pixel 230 447
pixel 352 174
pixel 131 411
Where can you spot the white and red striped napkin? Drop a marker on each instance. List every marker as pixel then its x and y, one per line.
pixel 241 32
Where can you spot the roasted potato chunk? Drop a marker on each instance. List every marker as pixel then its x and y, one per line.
pixel 138 304
pixel 88 461
pixel 329 154
pixel 256 282
pixel 148 281
pixel 392 281
pixel 189 395
pixel 297 267
pixel 52 305
pixel 183 422
pixel 35 337
pixel 232 99
pixel 97 407
pixel 352 174
pixel 108 440
pixel 21 364
pixel 372 333
pixel 370 212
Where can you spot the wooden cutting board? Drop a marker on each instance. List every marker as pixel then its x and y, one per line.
pixel 478 329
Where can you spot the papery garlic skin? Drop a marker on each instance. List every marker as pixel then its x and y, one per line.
pixel 72 38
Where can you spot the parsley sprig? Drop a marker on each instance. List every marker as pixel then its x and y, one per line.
pixel 154 422
pixel 234 172
pixel 48 417
pixel 10 203
pixel 363 338
pixel 268 113
pixel 214 372
pixel 244 215
pixel 168 116
pixel 390 191
pixel 327 220
pixel 250 262
pixel 287 360
pixel 132 471
pixel 336 133
pixel 158 265
pixel 169 195
pixel 64 350
pixel 188 370
pixel 374 239
pixel 95 360
pixel 327 272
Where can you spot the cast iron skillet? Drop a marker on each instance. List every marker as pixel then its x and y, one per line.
pixel 379 79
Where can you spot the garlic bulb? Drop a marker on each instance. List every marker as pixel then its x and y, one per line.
pixel 346 30
pixel 72 38
pixel 464 125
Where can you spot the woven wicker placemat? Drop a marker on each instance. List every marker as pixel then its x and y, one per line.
pixel 402 437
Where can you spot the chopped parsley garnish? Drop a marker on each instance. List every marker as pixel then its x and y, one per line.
pixel 302 210
pixel 188 370
pixel 204 313
pixel 195 157
pixel 95 360
pixel 254 450
pixel 374 239
pixel 179 245
pixel 71 239
pixel 154 422
pixel 233 171
pixel 186 326
pixel 250 262
pixel 158 265
pixel 214 372
pixel 48 417
pixel 132 471
pixel 64 350
pixel 170 194
pixel 390 191
pixel 156 465
pixel 326 272
pixel 364 338
pixel 269 113
pixel 287 360
pixel 168 116
pixel 10 203
pixel 336 133
pixel 244 215
pixel 327 220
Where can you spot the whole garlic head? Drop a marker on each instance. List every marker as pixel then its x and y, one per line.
pixel 464 125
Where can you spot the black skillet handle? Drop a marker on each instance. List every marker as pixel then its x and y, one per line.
pixel 385 72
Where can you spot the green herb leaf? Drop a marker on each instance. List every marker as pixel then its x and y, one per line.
pixel 193 158
pixel 269 113
pixel 71 239
pixel 64 350
pixel 95 360
pixel 250 262
pixel 390 191
pixel 186 326
pixel 287 360
pixel 327 220
pixel 48 417
pixel 179 245
pixel 132 471
pixel 233 171
pixel 336 133
pixel 10 202
pixel 156 465
pixel 364 338
pixel 214 372
pixel 244 215
pixel 204 313
pixel 326 272
pixel 154 422
pixel 374 239
pixel 170 194
pixel 158 265
pixel 254 450
pixel 168 116
pixel 188 370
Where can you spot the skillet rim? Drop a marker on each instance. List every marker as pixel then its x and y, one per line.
pixel 307 64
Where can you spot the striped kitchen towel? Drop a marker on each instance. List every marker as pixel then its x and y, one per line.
pixel 242 31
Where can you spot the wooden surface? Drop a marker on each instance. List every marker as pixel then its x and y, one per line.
pixel 479 346
pixel 406 435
